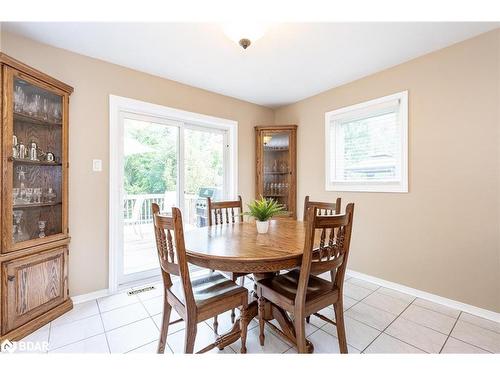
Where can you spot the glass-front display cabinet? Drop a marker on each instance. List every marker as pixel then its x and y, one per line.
pixel 36 161
pixel 276 157
pixel 34 180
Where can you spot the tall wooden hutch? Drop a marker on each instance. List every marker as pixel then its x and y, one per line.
pixel 276 154
pixel 34 201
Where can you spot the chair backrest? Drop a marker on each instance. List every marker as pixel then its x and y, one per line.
pixel 169 235
pixel 224 211
pixel 322 208
pixel 334 233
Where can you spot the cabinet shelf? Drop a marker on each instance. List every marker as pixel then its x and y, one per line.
pixel 276 173
pixel 275 149
pixel 34 162
pixel 34 120
pixel 35 205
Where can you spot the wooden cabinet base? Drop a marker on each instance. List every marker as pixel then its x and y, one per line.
pixel 33 325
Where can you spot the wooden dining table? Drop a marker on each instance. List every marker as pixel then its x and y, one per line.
pixel 238 248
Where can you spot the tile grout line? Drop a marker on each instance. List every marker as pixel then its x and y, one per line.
pixel 151 317
pixel 478 326
pixel 103 327
pixel 383 331
pixel 357 302
pixel 452 328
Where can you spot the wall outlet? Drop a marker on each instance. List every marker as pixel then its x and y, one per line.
pixel 97 165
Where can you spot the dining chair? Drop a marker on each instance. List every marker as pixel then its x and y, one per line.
pixel 301 293
pixel 226 212
pixel 322 208
pixel 326 208
pixel 194 300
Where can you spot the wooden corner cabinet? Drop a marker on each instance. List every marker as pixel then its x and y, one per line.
pixel 34 234
pixel 276 163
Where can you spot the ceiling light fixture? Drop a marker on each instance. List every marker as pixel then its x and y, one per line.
pixel 244 33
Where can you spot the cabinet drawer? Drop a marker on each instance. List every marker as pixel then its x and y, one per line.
pixel 33 285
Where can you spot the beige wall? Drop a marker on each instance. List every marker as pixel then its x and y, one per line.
pixel 93 81
pixel 443 236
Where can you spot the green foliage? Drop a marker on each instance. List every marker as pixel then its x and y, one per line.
pixel 153 170
pixel 263 209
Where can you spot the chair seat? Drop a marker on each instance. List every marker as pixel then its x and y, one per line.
pixel 209 289
pixel 285 286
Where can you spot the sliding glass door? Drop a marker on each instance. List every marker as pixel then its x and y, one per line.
pixel 170 163
pixel 205 174
pixel 150 161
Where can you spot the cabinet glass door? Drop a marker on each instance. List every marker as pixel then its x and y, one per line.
pixel 35 158
pixel 277 167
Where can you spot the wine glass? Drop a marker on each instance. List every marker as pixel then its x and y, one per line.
pixel 51 195
pixel 28 195
pixel 19 99
pixel 18 214
pixel 41 228
pixel 37 195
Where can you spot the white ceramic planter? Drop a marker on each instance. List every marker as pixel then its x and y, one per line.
pixel 262 226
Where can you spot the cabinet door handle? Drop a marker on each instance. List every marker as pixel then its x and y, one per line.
pixel 11 278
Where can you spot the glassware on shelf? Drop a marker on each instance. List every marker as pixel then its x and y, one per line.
pixel 41 228
pixel 28 195
pixel 37 195
pixel 33 151
pixel 21 151
pixel 15 149
pixel 54 112
pixel 19 234
pixel 19 99
pixel 45 109
pixel 50 196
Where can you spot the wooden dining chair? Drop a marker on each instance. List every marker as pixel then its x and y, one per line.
pixel 323 208
pixel 300 292
pixel 194 300
pixel 226 212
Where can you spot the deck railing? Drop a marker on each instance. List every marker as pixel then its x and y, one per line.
pixel 137 207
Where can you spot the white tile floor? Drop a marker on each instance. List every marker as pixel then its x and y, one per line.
pixel 378 320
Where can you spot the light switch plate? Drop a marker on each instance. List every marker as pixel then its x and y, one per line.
pixel 97 165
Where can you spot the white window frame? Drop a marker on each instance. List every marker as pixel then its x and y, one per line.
pixel 399 186
pixel 170 116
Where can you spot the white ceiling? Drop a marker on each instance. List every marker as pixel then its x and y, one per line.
pixel 291 62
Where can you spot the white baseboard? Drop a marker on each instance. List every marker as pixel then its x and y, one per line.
pixel 90 296
pixel 483 313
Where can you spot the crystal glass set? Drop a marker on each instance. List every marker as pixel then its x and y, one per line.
pixel 27 195
pixel 36 105
pixel 18 234
pixel 277 166
pixel 275 188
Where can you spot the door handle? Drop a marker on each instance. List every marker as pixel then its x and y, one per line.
pixel 11 278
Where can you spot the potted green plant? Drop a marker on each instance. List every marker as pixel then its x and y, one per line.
pixel 262 210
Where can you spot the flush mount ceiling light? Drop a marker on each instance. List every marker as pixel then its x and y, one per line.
pixel 244 33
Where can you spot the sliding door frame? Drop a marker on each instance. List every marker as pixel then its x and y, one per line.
pixel 118 106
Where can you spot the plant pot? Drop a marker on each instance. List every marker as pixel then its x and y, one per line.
pixel 262 226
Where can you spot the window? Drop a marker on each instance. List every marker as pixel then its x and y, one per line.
pixel 367 146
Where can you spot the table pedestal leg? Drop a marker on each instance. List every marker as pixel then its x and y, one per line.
pixel 286 328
